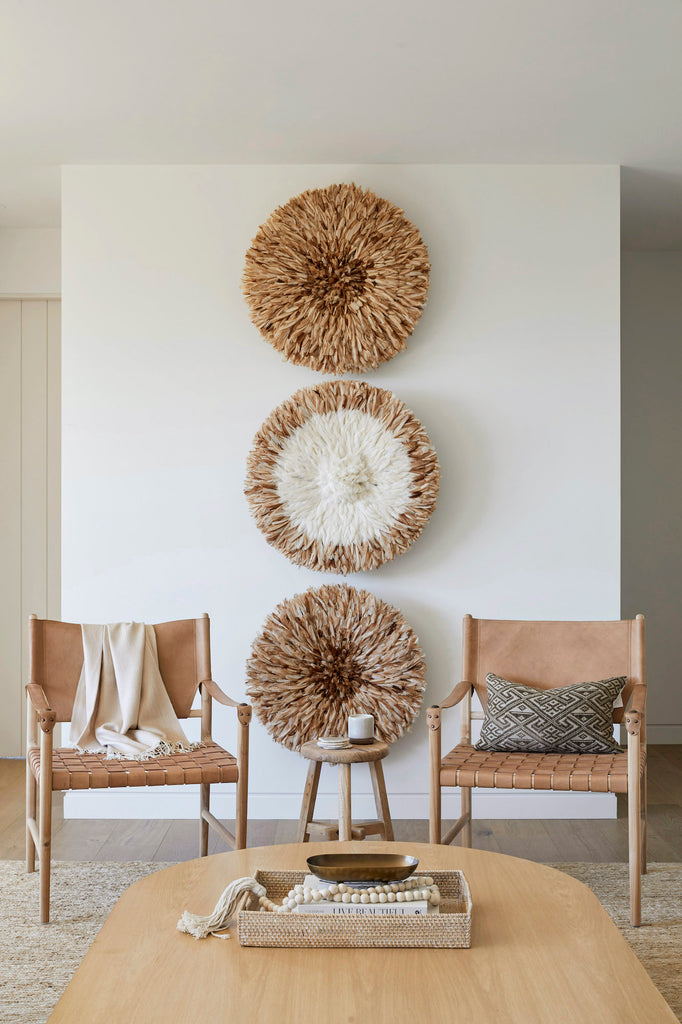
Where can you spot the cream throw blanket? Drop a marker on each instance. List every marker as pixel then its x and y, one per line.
pixel 121 705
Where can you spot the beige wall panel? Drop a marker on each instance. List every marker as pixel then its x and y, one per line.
pixel 54 441
pixel 10 529
pixel 33 466
pixel 30 521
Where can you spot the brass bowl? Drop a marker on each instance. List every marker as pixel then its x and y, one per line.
pixel 362 867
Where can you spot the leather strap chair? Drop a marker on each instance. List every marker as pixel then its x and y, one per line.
pixel 546 655
pixel 55 662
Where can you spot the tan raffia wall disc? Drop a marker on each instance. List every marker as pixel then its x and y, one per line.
pixel 336 279
pixel 342 477
pixel 329 653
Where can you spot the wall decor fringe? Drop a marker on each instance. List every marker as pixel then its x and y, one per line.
pixel 331 652
pixel 342 477
pixel 336 279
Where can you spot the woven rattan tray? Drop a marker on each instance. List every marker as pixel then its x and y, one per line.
pixel 450 929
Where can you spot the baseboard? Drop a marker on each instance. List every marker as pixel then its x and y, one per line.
pixel 663 734
pixel 179 803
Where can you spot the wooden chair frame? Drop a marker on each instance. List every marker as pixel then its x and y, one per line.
pixel 632 715
pixel 51 700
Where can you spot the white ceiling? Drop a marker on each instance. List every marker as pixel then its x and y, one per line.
pixel 304 81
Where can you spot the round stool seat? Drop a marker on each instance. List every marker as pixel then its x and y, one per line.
pixel 370 754
pixel 357 753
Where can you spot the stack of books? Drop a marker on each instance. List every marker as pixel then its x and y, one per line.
pixel 415 908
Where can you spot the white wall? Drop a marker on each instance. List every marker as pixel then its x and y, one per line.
pixel 652 474
pixel 30 262
pixel 513 370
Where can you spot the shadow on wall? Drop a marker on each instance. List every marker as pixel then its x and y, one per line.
pixel 651 204
pixel 464 492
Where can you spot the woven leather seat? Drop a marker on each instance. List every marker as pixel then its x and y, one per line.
pixel 73 770
pixel 587 773
pixel 55 663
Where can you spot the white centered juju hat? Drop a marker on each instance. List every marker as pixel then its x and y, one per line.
pixel 336 279
pixel 332 652
pixel 342 477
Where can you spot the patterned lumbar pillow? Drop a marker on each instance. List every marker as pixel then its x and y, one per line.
pixel 575 719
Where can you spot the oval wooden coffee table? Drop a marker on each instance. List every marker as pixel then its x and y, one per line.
pixel 543 951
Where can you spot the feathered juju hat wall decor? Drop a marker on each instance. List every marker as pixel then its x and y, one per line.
pixel 329 653
pixel 342 477
pixel 336 279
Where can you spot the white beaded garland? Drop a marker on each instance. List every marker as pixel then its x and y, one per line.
pixel 420 887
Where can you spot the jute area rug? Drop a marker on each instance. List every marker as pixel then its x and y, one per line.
pixel 37 961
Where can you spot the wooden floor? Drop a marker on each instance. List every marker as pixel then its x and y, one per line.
pixel 541 840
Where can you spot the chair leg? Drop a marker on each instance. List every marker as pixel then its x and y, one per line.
pixel 244 717
pixel 643 799
pixel 308 803
pixel 635 837
pixel 45 852
pixel 242 812
pixel 204 805
pixel 380 799
pixel 466 810
pixel 31 795
pixel 435 822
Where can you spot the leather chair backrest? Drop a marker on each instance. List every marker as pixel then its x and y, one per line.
pixel 549 654
pixel 56 660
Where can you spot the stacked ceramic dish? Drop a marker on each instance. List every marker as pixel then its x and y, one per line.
pixel 333 742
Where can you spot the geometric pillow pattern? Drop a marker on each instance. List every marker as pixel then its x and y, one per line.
pixel 574 719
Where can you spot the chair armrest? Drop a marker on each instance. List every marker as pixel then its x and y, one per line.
pixel 458 694
pixel 243 710
pixel 433 712
pixel 40 705
pixel 634 716
pixel 212 687
pixel 37 697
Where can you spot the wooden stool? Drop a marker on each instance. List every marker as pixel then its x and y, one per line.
pixel 365 753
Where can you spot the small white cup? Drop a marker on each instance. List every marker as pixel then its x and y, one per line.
pixel 361 728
